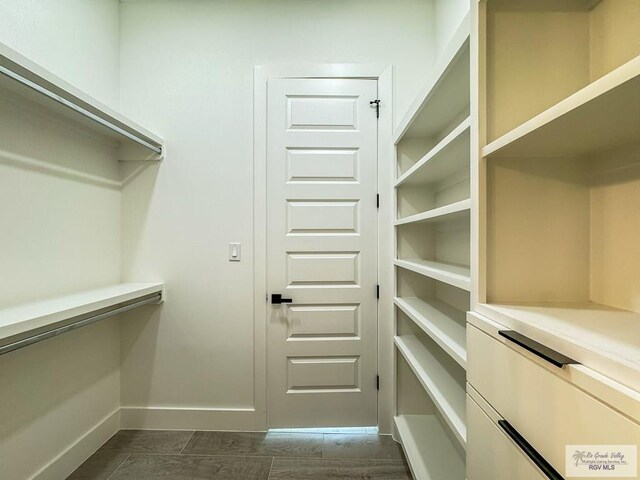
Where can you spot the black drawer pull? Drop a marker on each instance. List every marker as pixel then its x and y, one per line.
pixel 551 356
pixel 526 447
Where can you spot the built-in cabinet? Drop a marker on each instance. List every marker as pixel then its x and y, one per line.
pixel 432 232
pixel 553 338
pixel 518 200
pixel 558 176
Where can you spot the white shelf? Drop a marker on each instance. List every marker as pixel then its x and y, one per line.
pixel 604 114
pixel 450 155
pixel 25 77
pixel 453 211
pixel 445 94
pixel 447 394
pixel 603 338
pixel 32 318
pixel 456 275
pixel 442 322
pixel 430 452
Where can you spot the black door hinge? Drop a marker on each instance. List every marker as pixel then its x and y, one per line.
pixel 377 200
pixel 377 382
pixel 377 291
pixel 377 104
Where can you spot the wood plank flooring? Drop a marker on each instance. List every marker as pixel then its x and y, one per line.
pixel 189 455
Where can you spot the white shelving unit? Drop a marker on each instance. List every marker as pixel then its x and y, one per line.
pixel 433 277
pixel 442 322
pixel 22 325
pixel 57 97
pixel 559 177
pixel 426 443
pixel 445 391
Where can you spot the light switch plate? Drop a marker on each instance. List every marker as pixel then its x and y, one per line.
pixel 235 252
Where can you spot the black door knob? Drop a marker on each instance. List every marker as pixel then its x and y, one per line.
pixel 276 299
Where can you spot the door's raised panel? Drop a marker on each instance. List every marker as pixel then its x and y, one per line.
pixel 320 165
pixel 317 269
pixel 307 217
pixel 322 373
pixel 316 321
pixel 545 408
pixel 322 113
pixel 491 454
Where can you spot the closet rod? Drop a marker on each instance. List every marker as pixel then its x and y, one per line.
pixel 78 109
pixel 82 322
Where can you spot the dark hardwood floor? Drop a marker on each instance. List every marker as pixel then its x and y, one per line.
pixel 189 455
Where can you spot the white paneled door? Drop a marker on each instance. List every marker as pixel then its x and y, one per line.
pixel 322 252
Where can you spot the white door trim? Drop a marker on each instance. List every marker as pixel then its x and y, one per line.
pixel 384 75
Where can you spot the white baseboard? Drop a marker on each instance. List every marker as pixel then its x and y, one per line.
pixel 149 418
pixel 161 418
pixel 64 464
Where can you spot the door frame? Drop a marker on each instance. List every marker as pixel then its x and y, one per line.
pixel 384 76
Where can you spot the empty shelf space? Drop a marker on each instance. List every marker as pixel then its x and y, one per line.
pixel 452 212
pixel 442 322
pixel 443 389
pixel 604 338
pixel 445 94
pixel 456 275
pixel 38 85
pixel 429 450
pixel 23 321
pixel 563 250
pixel 451 154
pixel 603 115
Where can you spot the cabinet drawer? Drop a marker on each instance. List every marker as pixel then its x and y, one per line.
pixel 542 405
pixel 491 454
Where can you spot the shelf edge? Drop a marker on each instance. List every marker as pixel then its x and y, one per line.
pixel 453 50
pixel 14 64
pixel 454 135
pixel 21 320
pixel 417 462
pixel 443 341
pixel 459 281
pixel 601 86
pixel 455 423
pixel 435 213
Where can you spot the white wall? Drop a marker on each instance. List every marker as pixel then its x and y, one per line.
pixel 59 234
pixel 75 39
pixel 187 73
pixel 448 14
